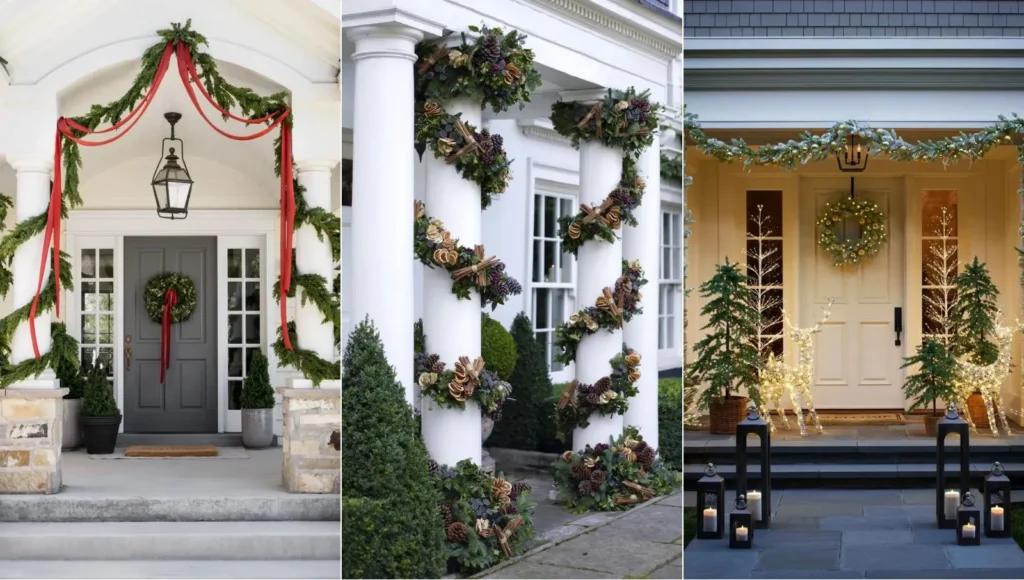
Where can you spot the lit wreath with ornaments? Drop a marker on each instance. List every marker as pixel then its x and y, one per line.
pixel 871 221
pixel 156 291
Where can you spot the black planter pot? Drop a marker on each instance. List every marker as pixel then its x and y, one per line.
pixel 99 434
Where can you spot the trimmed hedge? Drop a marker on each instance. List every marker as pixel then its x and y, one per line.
pixel 526 418
pixel 670 422
pixel 391 527
pixel 498 348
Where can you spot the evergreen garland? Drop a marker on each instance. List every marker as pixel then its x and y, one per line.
pixel 602 220
pixel 672 169
pixel 623 120
pixel 608 396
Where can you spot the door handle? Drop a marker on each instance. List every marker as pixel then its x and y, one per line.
pixel 897 323
pixel 127 353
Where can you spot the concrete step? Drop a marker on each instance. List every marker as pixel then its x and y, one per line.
pixel 276 569
pixel 70 507
pixel 171 540
pixel 852 475
pixel 851 451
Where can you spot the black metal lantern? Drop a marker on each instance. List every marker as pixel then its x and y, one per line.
pixel 996 492
pixel 755 424
pixel 741 526
pixel 946 501
pixel 854 157
pixel 172 185
pixel 711 505
pixel 968 516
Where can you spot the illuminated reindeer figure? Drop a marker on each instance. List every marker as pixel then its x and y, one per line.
pixel 988 379
pixel 778 378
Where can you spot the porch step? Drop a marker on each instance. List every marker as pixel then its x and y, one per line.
pixel 67 507
pixel 79 569
pixel 215 439
pixel 863 451
pixel 851 475
pixel 172 540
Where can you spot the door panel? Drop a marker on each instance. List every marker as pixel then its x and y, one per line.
pixel 857 364
pixel 187 402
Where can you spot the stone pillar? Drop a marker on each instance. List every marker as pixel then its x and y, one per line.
pixel 383 161
pixel 313 256
pixel 312 427
pixel 599 266
pixel 30 440
pixel 452 326
pixel 32 199
pixel 643 243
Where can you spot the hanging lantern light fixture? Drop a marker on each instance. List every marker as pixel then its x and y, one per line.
pixel 853 158
pixel 172 185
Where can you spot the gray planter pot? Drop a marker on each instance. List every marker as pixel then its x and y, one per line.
pixel 257 428
pixel 71 427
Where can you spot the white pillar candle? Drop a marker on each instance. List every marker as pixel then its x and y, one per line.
pixel 710 520
pixel 754 501
pixel 952 501
pixel 741 533
pixel 997 518
pixel 968 531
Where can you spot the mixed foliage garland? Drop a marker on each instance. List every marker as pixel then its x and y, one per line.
pixel 612 476
pixel 602 221
pixel 608 396
pixel 622 120
pixel 672 169
pixel 433 245
pixel 610 311
pixel 467 380
pixel 870 220
pixel 486 519
pixel 156 290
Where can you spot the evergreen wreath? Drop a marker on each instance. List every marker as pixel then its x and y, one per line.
pixel 156 290
pixel 433 245
pixel 468 380
pixel 494 69
pixel 872 230
pixel 622 120
pixel 602 221
pixel 478 156
pixel 610 311
pixel 612 476
pixel 608 396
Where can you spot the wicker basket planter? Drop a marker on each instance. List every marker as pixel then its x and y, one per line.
pixel 931 423
pixel 725 413
pixel 976 407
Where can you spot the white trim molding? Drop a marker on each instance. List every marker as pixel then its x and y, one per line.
pixel 541 129
pixel 625 23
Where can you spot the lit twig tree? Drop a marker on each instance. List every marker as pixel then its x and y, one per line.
pixel 940 273
pixel 763 265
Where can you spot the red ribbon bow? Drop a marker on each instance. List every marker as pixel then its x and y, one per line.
pixel 170 301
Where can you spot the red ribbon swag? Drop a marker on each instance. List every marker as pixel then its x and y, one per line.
pixel 170 301
pixel 67 127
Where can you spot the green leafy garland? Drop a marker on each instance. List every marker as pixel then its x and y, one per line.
pixel 469 380
pixel 608 396
pixel 621 120
pixel 871 221
pixel 433 245
pixel 612 476
pixel 494 69
pixel 672 169
pixel 156 291
pixel 486 519
pixel 625 298
pixel 602 221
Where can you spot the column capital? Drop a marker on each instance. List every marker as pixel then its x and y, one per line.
pixel 30 163
pixel 389 40
pixel 316 165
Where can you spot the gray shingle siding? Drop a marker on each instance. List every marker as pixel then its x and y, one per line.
pixel 895 18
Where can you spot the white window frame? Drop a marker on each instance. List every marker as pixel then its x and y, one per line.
pixel 673 285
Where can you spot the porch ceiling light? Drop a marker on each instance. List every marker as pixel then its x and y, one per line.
pixel 172 185
pixel 853 158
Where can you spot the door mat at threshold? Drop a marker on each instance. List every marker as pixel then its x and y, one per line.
pixel 222 453
pixel 170 451
pixel 875 418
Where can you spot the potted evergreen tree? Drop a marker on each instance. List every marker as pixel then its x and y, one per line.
pixel 973 323
pixel 726 358
pixel 257 401
pixel 100 415
pixel 67 366
pixel 933 380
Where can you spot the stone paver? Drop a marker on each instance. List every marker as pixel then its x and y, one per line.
pixel 538 570
pixel 986 556
pixel 894 558
pixel 877 538
pixel 798 558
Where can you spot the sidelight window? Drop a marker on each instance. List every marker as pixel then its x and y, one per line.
pixel 96 272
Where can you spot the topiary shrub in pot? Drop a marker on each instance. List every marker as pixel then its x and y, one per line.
pixel 100 415
pixel 498 350
pixel 257 402
pixel 68 369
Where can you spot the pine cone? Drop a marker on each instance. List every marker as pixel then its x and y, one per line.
pixel 519 487
pixel 510 509
pixel 623 284
pixel 586 487
pixel 603 384
pixel 490 50
pixel 579 472
pixel 457 532
pixel 597 477
pixel 433 467
pixel 446 514
pixel 600 448
pixel 645 457
pixel 497 141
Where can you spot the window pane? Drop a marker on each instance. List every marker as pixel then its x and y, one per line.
pixel 932 218
pixel 550 215
pixel 252 263
pixel 566 261
pixel 773 313
pixel 936 304
pixel 538 266
pixel 541 298
pixel 938 262
pixel 249 354
pixel 234 295
pixel 234 362
pixel 566 207
pixel 550 255
pixel 769 270
pixel 677 264
pixel 88 266
pixel 666 263
pixel 234 329
pixel 106 354
pixel 106 263
pixel 89 328
pixel 677 229
pixel 234 395
pixel 771 212
pixel 538 214
pixel 252 329
pixel 106 297
pixel 234 263
pixel 106 329
pixel 89 297
pixel 88 358
pixel 666 233
pixel 252 296
pixel 558 307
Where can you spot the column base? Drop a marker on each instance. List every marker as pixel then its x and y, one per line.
pixel 31 428
pixel 311 462
pixel 300 383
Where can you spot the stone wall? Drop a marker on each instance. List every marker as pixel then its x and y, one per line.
pixel 30 440
pixel 312 417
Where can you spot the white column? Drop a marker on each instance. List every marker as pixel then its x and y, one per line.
pixel 32 199
pixel 382 184
pixel 641 333
pixel 313 256
pixel 452 326
pixel 599 266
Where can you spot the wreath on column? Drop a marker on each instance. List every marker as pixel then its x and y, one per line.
pixel 871 221
pixel 156 293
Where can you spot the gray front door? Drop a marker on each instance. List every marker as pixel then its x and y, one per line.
pixel 187 401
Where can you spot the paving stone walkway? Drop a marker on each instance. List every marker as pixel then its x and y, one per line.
pixel 853 534
pixel 645 542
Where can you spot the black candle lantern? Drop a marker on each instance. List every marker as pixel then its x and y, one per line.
pixel 946 501
pixel 172 185
pixel 761 508
pixel 741 526
pixel 968 516
pixel 711 505
pixel 996 492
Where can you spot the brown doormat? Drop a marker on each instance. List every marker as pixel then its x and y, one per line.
pixel 865 418
pixel 171 451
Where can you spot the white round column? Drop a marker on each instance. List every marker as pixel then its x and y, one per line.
pixel 383 162
pixel 313 256
pixel 643 243
pixel 599 266
pixel 32 199
pixel 452 326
